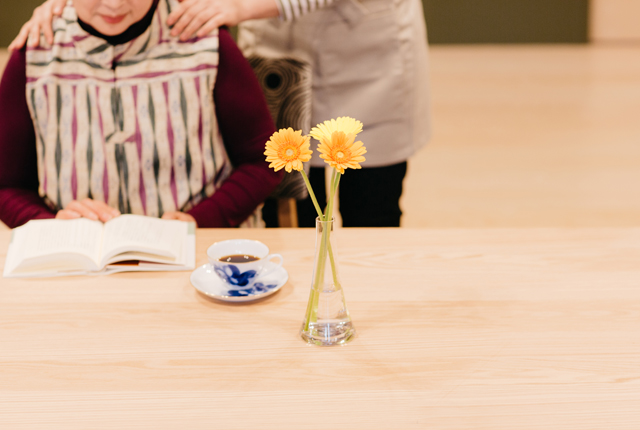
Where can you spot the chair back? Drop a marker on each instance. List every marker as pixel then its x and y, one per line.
pixel 286 83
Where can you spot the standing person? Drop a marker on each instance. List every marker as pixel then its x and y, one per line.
pixel 369 61
pixel 117 116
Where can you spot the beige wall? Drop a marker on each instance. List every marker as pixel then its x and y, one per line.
pixel 615 21
pixel 14 13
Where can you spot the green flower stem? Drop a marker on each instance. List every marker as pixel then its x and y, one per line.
pixel 334 188
pixel 329 211
pixel 312 311
pixel 312 308
pixel 323 250
pixel 333 266
pixel 313 196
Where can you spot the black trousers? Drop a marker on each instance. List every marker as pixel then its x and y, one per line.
pixel 369 197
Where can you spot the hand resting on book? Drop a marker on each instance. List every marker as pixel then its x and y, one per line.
pixel 180 216
pixel 89 208
pixel 97 210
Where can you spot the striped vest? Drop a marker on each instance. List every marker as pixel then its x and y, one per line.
pixel 132 125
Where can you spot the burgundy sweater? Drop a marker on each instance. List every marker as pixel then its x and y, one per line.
pixel 243 119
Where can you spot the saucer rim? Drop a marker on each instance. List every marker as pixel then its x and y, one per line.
pixel 239 298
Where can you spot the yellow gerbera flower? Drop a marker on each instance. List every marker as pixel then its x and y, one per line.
pixel 344 124
pixel 341 152
pixel 289 149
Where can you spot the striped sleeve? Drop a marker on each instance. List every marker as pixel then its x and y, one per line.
pixel 292 9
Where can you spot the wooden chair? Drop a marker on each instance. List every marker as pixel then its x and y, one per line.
pixel 287 212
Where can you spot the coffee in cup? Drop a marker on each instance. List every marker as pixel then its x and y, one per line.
pixel 240 262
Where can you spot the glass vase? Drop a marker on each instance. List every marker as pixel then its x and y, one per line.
pixel 327 321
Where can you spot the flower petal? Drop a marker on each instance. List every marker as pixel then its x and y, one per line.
pixel 287 148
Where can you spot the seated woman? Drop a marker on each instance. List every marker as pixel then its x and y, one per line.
pixel 118 116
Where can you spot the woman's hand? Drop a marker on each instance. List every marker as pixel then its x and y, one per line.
pixel 41 19
pixel 88 208
pixel 180 216
pixel 190 16
pixel 205 15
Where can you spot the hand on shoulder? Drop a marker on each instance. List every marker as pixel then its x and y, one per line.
pixel 191 16
pixel 201 16
pixel 41 20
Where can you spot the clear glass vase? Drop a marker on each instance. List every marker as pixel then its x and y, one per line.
pixel 327 321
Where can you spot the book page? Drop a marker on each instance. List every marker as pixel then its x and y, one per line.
pixel 57 242
pixel 150 235
pixel 146 262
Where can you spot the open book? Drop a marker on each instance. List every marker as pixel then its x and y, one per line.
pixel 81 246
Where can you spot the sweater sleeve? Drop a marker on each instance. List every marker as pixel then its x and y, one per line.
pixel 19 199
pixel 245 125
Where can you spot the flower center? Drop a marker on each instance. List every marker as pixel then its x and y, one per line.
pixel 289 153
pixel 340 155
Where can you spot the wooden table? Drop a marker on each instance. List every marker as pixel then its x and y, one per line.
pixel 457 329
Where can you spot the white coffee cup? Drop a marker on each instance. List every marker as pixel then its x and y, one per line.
pixel 240 262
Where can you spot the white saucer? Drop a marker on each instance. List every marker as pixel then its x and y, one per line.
pixel 206 281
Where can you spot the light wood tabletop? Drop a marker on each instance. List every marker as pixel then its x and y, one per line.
pixel 457 329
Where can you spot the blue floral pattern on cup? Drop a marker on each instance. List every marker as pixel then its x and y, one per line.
pixel 233 276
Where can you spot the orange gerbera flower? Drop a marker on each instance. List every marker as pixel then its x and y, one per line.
pixel 340 152
pixel 287 148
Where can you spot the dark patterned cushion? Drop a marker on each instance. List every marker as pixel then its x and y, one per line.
pixel 286 83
